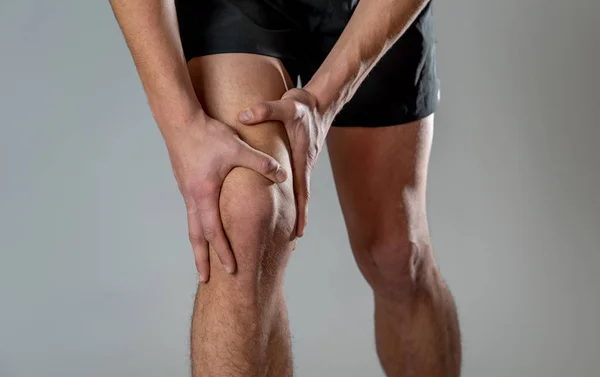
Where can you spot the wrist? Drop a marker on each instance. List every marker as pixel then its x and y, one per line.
pixel 175 122
pixel 323 96
pixel 174 108
pixel 174 112
pixel 328 105
pixel 332 87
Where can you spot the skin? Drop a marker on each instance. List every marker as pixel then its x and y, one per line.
pixel 381 177
pixel 239 325
pixel 245 180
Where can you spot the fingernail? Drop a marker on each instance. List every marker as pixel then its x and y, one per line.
pixel 281 174
pixel 201 277
pixel 245 115
pixel 229 269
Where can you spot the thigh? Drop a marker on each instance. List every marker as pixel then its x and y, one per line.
pixel 380 175
pixel 228 83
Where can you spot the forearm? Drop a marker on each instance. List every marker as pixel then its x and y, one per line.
pixel 151 33
pixel 374 27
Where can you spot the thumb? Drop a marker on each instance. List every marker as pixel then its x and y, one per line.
pixel 280 110
pixel 261 163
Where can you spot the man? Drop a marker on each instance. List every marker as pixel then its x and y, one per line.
pixel 220 79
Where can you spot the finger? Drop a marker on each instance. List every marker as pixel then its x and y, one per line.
pixel 301 191
pixel 212 229
pixel 261 163
pixel 303 197
pixel 199 245
pixel 281 110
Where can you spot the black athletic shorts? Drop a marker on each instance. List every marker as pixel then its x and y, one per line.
pixel 401 88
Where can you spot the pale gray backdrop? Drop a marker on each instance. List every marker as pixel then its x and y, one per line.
pixel 96 275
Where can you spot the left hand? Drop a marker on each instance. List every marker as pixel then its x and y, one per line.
pixel 306 128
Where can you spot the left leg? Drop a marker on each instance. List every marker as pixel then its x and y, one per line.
pixel 380 175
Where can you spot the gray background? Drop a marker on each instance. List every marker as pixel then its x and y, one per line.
pixel 96 275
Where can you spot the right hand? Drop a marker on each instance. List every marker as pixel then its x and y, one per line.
pixel 202 152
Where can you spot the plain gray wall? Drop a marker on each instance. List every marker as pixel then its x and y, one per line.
pixel 96 274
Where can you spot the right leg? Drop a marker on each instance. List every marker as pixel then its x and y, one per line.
pixel 239 325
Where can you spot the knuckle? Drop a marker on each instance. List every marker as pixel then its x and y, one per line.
pixel 311 150
pixel 188 189
pixel 194 237
pixel 210 233
pixel 264 110
pixel 268 165
pixel 204 189
pixel 236 146
pixel 190 205
pixel 306 196
pixel 223 254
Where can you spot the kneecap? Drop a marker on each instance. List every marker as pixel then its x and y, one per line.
pixel 259 219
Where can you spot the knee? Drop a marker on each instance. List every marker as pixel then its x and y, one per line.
pixel 395 265
pixel 259 220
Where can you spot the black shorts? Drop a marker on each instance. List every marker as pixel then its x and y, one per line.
pixel 401 88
